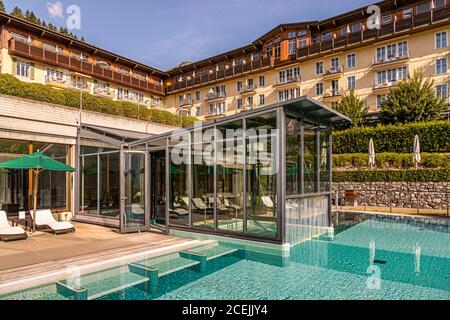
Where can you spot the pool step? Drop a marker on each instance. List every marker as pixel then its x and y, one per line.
pixel 100 284
pixel 97 285
pixel 211 252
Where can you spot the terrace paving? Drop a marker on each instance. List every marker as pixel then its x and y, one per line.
pixel 44 257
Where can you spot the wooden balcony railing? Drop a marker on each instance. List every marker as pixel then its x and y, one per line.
pixel 402 25
pixel 70 63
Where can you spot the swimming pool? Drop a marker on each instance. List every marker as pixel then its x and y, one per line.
pixel 374 259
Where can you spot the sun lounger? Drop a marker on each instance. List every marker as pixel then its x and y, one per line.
pixel 8 233
pixel 45 219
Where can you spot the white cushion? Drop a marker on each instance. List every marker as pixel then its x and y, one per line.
pixel 11 231
pixel 57 226
pixel 4 224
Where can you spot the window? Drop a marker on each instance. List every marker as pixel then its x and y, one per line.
pixel 315 39
pixel 288 75
pixel 239 86
pixel 441 40
pixel 380 100
pixel 391 76
pixel 302 39
pixel 319 67
pixel 288 94
pixel 180 99
pixel 140 76
pixel 21 38
pixel 277 50
pixel 344 31
pixel 351 60
pixel 262 81
pixel 351 83
pixel 439 3
pixel 319 89
pixel 442 91
pixel 334 63
pixel 356 27
pixel 23 69
pixel 327 36
pixel 79 56
pixel 441 66
pixel 250 102
pixel 250 83
pixel 217 108
pixel 386 19
pixel 262 100
pixel 54 75
pixel 102 64
pixel 407 13
pixel 123 70
pixel 197 95
pixel 292 34
pixel 292 46
pixel 334 87
pixel 239 104
pixel 392 52
pixel 51 47
pixel 197 111
pixel 423 7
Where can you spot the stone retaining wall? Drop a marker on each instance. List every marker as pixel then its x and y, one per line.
pixel 398 195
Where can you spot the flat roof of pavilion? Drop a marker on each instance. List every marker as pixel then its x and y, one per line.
pixel 306 106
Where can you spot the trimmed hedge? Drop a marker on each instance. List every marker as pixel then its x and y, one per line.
pixel 434 136
pixel 391 160
pixel 10 85
pixel 423 175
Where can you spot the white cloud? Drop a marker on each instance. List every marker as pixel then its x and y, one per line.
pixel 55 10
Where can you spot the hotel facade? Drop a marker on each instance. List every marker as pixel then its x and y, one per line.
pixel 287 80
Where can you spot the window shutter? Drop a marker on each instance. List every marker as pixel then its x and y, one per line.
pixel 32 71
pixel 14 68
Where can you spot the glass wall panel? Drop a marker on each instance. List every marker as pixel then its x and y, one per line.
pixel 293 155
pixel 158 186
pixel 230 178
pixel 178 188
pixel 52 191
pixel 134 190
pixel 110 185
pixel 88 185
pixel 325 161
pixel 311 158
pixel 262 171
pixel 203 186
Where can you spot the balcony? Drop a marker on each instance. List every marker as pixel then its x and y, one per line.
pixel 332 95
pixel 215 96
pixel 64 61
pixel 439 15
pixel 291 81
pixel 248 90
pixel 186 103
pixel 56 82
pixel 386 86
pixel 380 62
pixel 334 73
pixel 104 92
pixel 79 85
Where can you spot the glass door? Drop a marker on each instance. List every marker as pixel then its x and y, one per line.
pixel 134 213
pixel 158 197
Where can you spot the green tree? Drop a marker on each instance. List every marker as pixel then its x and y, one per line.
pixel 17 12
pixel 354 108
pixel 414 100
pixel 2 6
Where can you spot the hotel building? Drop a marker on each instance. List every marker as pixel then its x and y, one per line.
pixel 124 175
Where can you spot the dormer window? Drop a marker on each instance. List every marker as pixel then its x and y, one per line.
pixel 141 76
pixel 356 27
pixel 102 64
pixel 21 38
pixel 326 36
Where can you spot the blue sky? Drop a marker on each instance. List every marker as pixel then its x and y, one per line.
pixel 163 33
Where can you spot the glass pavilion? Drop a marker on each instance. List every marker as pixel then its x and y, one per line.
pixel 262 175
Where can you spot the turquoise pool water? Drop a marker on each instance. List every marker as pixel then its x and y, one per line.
pixel 371 260
pixel 413 263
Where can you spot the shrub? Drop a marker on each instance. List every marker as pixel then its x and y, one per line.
pixel 434 137
pixel 423 175
pixel 354 108
pixel 391 160
pixel 9 85
pixel 414 100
